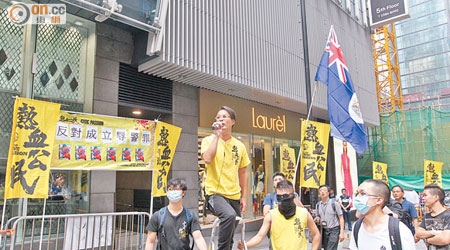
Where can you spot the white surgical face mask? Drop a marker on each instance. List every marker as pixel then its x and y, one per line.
pixel 174 195
pixel 360 204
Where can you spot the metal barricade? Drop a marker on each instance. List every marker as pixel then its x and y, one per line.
pixel 78 231
pixel 211 245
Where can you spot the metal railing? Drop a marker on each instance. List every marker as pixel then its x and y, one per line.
pixel 77 231
pixel 211 243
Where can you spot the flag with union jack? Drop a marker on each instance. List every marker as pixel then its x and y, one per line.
pixel 346 122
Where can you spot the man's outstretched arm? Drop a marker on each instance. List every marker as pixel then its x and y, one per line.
pixel 256 240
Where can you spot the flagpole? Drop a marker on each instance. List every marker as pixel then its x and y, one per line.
pixel 42 225
pixel 307 76
pixel 3 219
pixel 306 124
pixel 151 193
pixel 3 214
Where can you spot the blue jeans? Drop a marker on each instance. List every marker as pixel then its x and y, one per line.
pixel 348 219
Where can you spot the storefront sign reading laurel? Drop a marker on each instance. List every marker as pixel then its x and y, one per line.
pixel 251 117
pixel 268 123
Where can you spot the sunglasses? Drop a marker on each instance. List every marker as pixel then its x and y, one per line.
pixel 284 196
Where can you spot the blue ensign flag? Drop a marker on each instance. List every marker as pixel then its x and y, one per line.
pixel 346 121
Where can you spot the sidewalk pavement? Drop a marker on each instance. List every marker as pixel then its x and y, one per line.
pixel 265 243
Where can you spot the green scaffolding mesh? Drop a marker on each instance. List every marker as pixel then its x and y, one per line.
pixel 405 139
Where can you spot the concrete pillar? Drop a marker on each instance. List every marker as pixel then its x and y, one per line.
pixel 185 162
pixel 114 46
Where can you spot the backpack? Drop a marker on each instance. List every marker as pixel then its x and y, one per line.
pixel 272 196
pixel 403 215
pixel 162 215
pixel 394 232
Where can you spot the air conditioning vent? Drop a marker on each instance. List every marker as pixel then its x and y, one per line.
pixel 140 89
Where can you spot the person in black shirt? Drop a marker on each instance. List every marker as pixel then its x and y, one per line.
pixel 173 224
pixel 435 226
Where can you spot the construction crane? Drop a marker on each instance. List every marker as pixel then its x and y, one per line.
pixel 385 58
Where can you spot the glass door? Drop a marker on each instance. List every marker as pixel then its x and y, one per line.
pixel 276 156
pixel 261 172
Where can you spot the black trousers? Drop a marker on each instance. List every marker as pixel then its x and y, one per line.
pixel 226 210
pixel 330 238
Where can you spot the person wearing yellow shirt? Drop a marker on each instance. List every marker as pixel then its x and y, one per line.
pixel 227 175
pixel 287 223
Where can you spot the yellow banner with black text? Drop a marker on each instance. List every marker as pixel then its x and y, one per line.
pixel 44 137
pixel 287 162
pixel 166 140
pixel 30 150
pixel 314 154
pixel 87 141
pixel 433 172
pixel 379 171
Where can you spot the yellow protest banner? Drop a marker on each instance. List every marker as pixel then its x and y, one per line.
pixel 314 154
pixel 30 150
pixel 380 171
pixel 287 162
pixel 166 140
pixel 433 172
pixel 87 141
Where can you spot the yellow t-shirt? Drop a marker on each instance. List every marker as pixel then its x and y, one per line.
pixel 222 174
pixel 288 234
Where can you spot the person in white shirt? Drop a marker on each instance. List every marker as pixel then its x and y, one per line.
pixel 374 229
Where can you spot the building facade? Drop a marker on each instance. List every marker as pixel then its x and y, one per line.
pixel 254 64
pixel 244 54
pixel 423 51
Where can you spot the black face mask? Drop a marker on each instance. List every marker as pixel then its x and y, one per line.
pixel 287 207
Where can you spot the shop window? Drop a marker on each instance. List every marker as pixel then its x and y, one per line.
pixel 60 75
pixel 294 144
pixel 68 194
pixel 62 60
pixel 11 54
pixel 202 210
pixel 261 173
pixel 11 57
